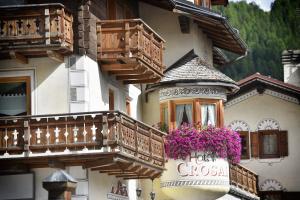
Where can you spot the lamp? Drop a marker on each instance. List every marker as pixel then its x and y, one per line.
pixel 138 189
pixel 138 192
pixel 152 194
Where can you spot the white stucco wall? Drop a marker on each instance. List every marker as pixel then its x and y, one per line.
pixel 166 24
pixel 151 110
pixel 253 110
pixel 49 83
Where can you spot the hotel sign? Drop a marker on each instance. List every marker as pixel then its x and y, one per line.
pixel 196 172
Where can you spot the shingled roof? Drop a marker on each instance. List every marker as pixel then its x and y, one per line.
pixel 261 82
pixel 191 69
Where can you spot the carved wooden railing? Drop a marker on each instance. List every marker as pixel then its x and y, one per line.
pixel 38 25
pixel 95 132
pixel 127 40
pixel 243 178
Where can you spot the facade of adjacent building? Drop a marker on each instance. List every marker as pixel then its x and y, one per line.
pixel 82 83
pixel 266 113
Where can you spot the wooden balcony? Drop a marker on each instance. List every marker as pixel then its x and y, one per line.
pixel 131 50
pixel 243 179
pixel 110 142
pixel 35 31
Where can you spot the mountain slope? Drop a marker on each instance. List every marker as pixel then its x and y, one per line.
pixel 267 34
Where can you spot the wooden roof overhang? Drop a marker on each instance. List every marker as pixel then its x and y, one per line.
pixel 219 58
pixel 219 2
pixel 214 25
pixel 109 142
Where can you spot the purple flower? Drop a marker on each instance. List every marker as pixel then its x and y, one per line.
pixel 214 142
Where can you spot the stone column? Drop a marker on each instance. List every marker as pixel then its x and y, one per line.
pixel 59 185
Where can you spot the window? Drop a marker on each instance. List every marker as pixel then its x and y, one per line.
pixel 208 114
pixel 198 112
pixel 128 105
pixel 111 99
pixel 164 116
pixel 184 114
pixel 15 96
pixel 269 144
pixel 245 144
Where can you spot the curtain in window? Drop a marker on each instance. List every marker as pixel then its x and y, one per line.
pixel 270 144
pixel 179 114
pixel 208 115
pixel 189 112
pixel 184 110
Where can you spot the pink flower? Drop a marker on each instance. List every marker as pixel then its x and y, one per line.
pixel 214 142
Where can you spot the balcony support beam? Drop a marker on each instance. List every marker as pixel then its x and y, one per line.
pixel 117 67
pixel 56 164
pixel 146 75
pixel 19 57
pixel 55 56
pixel 151 80
pixel 98 163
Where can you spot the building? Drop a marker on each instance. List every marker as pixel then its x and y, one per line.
pixel 79 57
pixel 269 126
pixel 193 91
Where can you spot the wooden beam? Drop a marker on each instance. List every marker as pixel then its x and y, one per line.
pixel 117 67
pixel 135 77
pixel 136 177
pixel 19 57
pixel 98 163
pixel 129 72
pixel 151 80
pixel 56 164
pixel 55 56
pixel 156 175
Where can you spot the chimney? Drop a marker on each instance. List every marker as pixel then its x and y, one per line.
pixel 291 66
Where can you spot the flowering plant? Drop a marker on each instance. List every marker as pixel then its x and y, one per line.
pixel 211 141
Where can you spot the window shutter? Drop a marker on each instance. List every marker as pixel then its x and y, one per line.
pixel 283 143
pixel 255 144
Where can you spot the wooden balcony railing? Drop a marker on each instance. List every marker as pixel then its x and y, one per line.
pixel 35 30
pixel 243 178
pixel 131 50
pixel 110 142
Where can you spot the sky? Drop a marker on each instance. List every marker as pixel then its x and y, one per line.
pixel 263 4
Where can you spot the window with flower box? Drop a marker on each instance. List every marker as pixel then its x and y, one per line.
pixel 200 112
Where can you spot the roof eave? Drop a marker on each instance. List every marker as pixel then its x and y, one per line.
pixel 196 12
